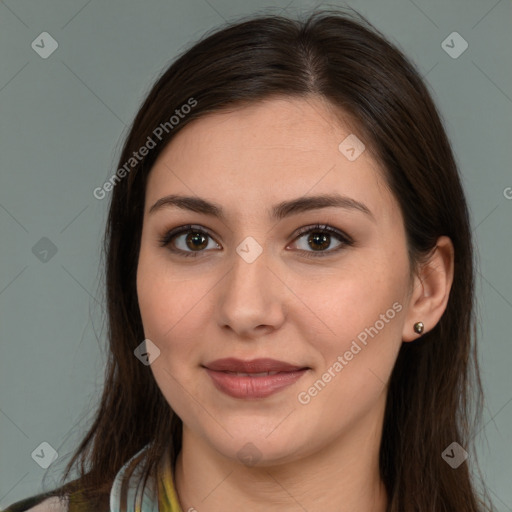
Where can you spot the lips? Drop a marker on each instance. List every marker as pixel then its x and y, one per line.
pixel 258 378
pixel 252 367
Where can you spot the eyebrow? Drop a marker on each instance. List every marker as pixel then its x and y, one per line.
pixel 278 211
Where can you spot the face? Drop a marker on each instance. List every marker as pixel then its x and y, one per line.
pixel 253 285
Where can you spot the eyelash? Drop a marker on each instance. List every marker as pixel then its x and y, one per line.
pixel 317 228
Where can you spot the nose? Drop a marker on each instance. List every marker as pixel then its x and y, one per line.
pixel 251 299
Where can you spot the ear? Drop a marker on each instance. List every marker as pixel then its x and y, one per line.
pixel 431 290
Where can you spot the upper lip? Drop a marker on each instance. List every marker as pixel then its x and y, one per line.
pixel 231 364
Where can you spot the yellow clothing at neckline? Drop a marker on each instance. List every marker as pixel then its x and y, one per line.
pixel 153 498
pixel 168 498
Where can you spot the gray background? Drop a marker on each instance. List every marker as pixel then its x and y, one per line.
pixel 62 120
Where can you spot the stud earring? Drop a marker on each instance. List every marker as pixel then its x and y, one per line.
pixel 418 327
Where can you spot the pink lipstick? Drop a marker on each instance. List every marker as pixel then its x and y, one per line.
pixel 257 378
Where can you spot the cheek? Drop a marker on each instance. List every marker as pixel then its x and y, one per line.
pixel 354 297
pixel 172 307
pixel 357 352
pixel 156 292
pixel 153 297
pixel 170 321
pixel 361 320
pixel 164 305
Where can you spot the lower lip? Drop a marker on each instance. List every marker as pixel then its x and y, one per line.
pixel 253 387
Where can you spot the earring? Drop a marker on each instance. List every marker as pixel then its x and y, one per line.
pixel 418 327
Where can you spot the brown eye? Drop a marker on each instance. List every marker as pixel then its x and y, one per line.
pixel 195 241
pixel 319 239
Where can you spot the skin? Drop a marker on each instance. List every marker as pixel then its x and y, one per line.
pixel 323 455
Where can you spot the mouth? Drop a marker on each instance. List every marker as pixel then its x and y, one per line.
pixel 253 379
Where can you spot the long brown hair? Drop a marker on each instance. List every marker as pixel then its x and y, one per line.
pixel 339 56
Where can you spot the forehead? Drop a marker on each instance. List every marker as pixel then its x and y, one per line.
pixel 264 153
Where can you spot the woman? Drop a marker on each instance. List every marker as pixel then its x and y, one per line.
pixel 289 287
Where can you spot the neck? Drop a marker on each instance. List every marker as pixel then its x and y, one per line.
pixel 342 477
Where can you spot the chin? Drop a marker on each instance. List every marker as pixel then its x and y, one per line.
pixel 253 446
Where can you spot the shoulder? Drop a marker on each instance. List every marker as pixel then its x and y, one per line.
pixel 39 503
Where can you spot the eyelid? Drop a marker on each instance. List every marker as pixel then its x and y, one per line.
pixel 179 230
pixel 342 237
pixel 325 228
